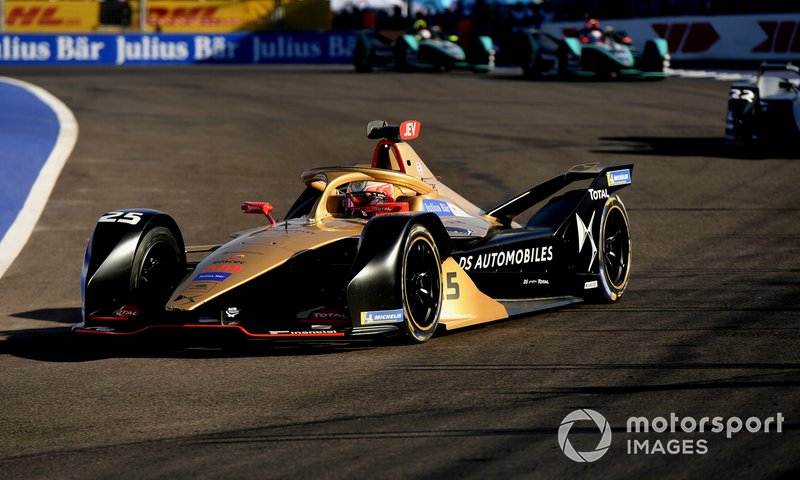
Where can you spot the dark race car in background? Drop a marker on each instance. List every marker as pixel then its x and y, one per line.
pixel 614 56
pixel 412 51
pixel 766 111
pixel 366 250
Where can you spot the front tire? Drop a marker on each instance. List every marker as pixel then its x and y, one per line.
pixel 421 285
pixel 157 268
pixel 615 250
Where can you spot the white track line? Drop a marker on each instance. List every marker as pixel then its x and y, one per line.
pixel 721 75
pixel 20 231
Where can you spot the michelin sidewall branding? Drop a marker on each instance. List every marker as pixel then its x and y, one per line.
pixel 382 316
pixel 139 49
pixel 669 434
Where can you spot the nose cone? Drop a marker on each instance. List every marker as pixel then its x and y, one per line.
pixel 251 255
pixel 227 268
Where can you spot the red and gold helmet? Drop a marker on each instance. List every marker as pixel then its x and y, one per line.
pixel 360 195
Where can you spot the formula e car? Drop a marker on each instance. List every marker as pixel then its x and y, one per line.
pixel 380 249
pixel 414 52
pixel 611 56
pixel 766 110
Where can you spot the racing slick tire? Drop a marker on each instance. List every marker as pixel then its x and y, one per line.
pixel 743 105
pixel 401 56
pixel 614 250
pixel 562 60
pixel 361 56
pixel 157 268
pixel 531 67
pixel 446 66
pixel 531 57
pixel 134 258
pixel 421 285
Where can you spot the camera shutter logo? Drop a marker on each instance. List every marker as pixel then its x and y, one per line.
pixel 602 445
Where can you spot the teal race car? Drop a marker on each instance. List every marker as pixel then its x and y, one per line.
pixel 421 50
pixel 610 55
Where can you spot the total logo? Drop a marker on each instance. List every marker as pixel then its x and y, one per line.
pixel 598 194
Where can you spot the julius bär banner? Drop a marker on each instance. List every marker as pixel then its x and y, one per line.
pixel 135 49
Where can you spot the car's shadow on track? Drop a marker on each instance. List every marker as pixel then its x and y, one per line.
pixel 693 147
pixel 60 344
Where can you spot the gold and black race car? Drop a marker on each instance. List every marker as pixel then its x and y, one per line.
pixel 366 250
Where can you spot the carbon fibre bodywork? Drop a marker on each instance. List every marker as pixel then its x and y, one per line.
pixel 428 259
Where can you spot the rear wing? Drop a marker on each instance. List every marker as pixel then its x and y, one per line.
pixel 609 178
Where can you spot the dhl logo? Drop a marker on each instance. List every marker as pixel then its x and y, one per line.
pixel 182 16
pixel 782 37
pixel 687 37
pixel 43 16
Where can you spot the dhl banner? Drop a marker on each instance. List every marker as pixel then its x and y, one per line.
pixel 208 17
pixel 176 16
pixel 177 49
pixel 51 17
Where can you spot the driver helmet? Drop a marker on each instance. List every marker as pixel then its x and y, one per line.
pixel 595 36
pixel 592 24
pixel 360 195
pixel 424 34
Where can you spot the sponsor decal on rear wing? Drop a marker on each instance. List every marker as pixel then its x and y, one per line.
pixel 618 177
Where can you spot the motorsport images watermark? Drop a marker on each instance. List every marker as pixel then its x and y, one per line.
pixel 667 444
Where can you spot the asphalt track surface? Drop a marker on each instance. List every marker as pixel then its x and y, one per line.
pixel 708 327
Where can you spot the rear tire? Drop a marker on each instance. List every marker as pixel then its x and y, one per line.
pixel 401 56
pixel 531 67
pixel 361 57
pixel 421 285
pixel 615 250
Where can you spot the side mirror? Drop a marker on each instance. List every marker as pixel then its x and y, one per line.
pixel 259 207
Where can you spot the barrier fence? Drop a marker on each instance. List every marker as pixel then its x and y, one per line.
pixel 114 32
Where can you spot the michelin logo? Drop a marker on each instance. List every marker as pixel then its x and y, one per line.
pixel 382 316
pixel 619 177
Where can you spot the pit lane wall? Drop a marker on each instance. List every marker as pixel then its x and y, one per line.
pixel 730 38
